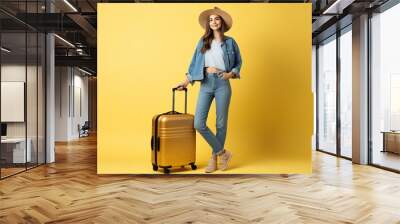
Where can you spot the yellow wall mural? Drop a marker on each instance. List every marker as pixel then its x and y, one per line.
pixel 145 49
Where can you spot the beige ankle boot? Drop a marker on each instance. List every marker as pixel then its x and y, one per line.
pixel 224 159
pixel 212 164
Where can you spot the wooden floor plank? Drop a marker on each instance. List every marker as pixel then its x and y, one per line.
pixel 70 191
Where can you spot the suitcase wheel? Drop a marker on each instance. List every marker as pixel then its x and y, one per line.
pixel 193 166
pixel 166 171
pixel 155 167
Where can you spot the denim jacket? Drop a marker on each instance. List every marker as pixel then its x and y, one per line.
pixel 232 60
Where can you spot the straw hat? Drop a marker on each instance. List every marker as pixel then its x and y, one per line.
pixel 205 15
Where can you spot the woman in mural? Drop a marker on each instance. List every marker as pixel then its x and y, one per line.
pixel 216 60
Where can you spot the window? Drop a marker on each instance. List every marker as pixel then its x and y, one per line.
pixel 327 95
pixel 346 93
pixel 385 88
pixel 22 77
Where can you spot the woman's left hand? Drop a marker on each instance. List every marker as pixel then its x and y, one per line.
pixel 226 75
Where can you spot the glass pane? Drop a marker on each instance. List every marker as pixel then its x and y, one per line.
pixel 386 89
pixel 327 96
pixel 41 98
pixel 23 88
pixel 346 93
pixel 32 95
pixel 14 153
pixel 314 74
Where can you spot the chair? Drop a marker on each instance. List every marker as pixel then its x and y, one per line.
pixel 84 130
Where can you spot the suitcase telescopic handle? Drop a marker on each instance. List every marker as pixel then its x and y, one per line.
pixel 173 99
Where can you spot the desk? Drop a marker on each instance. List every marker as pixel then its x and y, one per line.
pixel 15 148
pixel 391 141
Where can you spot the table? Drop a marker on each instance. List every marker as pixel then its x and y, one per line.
pixel 15 148
pixel 391 141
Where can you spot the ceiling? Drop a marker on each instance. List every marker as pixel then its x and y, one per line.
pixel 76 22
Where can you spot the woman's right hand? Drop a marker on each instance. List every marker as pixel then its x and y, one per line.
pixel 183 85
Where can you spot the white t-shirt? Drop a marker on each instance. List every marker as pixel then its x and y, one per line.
pixel 214 57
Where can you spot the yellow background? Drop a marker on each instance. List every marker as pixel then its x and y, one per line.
pixel 145 49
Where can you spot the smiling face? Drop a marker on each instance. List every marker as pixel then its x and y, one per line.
pixel 215 22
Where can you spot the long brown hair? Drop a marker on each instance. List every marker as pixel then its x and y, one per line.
pixel 209 35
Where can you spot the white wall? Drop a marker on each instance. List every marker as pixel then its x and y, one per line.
pixel 62 81
pixel 81 102
pixel 71 94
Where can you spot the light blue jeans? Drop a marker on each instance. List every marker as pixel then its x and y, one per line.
pixel 212 86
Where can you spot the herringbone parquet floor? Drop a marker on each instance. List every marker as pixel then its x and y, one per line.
pixel 69 191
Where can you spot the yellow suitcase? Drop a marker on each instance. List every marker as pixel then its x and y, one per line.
pixel 173 141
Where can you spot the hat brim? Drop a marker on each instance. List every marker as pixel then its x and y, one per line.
pixel 205 15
